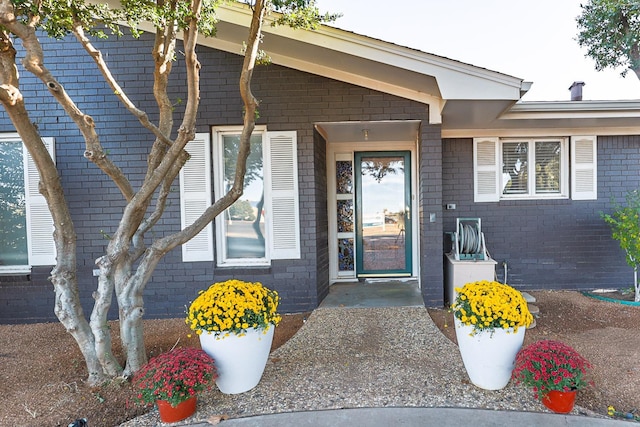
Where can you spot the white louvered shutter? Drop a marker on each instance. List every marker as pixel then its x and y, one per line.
pixel 282 185
pixel 195 198
pixel 486 170
pixel 584 168
pixel 42 249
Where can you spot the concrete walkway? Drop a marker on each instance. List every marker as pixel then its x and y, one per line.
pixel 409 417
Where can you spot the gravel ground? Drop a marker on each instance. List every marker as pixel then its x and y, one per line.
pixel 355 358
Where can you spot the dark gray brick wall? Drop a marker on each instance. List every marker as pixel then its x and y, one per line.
pixel 431 259
pixel 26 298
pixel 290 100
pixel 549 244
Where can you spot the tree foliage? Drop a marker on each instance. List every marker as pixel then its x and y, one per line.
pixel 610 30
pixel 625 228
pixel 133 251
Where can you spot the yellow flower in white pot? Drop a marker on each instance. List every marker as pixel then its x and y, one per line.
pixel 490 320
pixel 235 321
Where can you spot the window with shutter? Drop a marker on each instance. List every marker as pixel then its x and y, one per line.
pixel 263 223
pixel 534 168
pixel 26 226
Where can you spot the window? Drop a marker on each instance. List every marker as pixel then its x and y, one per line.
pixel 263 224
pixel 26 228
pixel 242 228
pixel 534 168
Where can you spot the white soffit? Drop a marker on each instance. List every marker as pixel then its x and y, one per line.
pixel 375 131
pixel 556 118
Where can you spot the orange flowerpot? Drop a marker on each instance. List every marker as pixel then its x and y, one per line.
pixel 170 414
pixel 560 402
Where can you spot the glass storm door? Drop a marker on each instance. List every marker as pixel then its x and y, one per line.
pixel 383 214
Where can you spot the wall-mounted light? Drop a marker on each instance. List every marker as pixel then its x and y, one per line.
pixel 365 132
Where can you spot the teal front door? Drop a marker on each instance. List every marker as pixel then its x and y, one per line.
pixel 383 213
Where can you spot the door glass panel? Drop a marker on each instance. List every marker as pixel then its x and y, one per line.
pixel 345 216
pixel 344 177
pixel 383 204
pixel 345 255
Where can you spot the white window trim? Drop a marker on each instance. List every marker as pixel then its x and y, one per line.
pixel 40 243
pixel 221 242
pixel 531 184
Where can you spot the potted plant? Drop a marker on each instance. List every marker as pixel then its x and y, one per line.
pixel 555 372
pixel 172 380
pixel 490 320
pixel 235 321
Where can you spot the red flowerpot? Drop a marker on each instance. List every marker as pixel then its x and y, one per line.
pixel 170 414
pixel 560 402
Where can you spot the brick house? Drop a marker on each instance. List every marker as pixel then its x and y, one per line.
pixel 365 154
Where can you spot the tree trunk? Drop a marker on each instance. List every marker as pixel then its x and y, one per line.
pixel 635 284
pixel 131 309
pixel 101 330
pixel 131 305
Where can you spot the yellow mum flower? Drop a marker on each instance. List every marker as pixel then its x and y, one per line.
pixel 489 305
pixel 232 306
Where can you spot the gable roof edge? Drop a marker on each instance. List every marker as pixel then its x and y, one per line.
pixel 456 80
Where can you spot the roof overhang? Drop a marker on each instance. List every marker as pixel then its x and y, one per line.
pixel 466 100
pixel 558 118
pixel 375 64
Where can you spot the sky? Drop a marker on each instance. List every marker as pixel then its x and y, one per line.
pixel 531 40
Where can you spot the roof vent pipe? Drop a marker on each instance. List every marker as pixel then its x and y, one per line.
pixel 576 91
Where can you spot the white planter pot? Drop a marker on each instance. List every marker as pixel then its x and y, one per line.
pixel 239 360
pixel 489 358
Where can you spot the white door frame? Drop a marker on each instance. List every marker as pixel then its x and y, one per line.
pixel 342 151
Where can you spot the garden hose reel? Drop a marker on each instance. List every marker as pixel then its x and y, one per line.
pixel 468 240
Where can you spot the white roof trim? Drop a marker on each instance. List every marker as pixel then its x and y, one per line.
pixel 573 109
pixel 456 80
pixel 539 132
